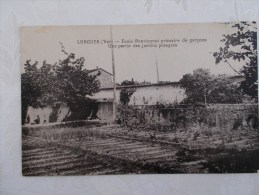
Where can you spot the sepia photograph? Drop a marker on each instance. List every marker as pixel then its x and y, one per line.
pixel 139 99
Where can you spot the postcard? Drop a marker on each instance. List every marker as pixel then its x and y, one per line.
pixel 139 99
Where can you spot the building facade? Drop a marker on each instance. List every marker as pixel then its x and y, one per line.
pixel 105 78
pixel 148 94
pixel 145 94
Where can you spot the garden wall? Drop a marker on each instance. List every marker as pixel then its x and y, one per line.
pixel 61 113
pixel 220 116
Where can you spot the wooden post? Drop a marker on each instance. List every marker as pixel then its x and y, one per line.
pixel 114 80
pixel 157 73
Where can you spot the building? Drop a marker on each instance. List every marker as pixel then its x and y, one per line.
pixel 58 113
pixel 105 78
pixel 147 94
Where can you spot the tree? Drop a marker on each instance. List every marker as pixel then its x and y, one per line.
pixel 30 87
pixel 128 83
pixel 242 46
pixel 66 82
pixel 72 82
pixel 201 88
pixel 36 83
pixel 127 92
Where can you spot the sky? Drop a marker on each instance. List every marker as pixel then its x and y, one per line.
pixel 43 43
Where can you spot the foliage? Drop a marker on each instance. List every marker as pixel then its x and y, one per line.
pixel 202 87
pixel 145 82
pixel 66 82
pixel 242 46
pixel 35 82
pixel 132 82
pixel 72 82
pixel 128 83
pixel 126 115
pixel 164 82
pixel 126 93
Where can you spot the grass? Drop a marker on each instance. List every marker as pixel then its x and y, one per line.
pixel 63 132
pixel 198 136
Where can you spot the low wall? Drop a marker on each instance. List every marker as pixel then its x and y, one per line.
pixel 105 111
pixel 220 116
pixel 47 114
pixel 61 113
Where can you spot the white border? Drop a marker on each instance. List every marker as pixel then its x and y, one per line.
pixel 16 13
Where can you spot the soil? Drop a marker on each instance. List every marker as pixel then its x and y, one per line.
pixel 120 150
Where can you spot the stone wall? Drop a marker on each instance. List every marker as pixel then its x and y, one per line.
pixel 42 113
pixel 105 111
pixel 62 113
pixel 217 116
pixel 47 114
